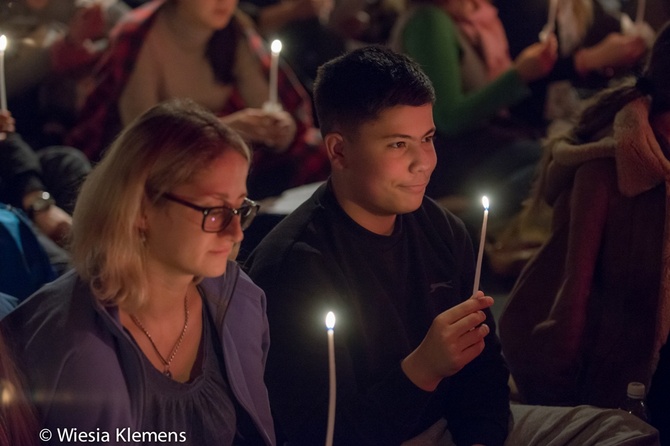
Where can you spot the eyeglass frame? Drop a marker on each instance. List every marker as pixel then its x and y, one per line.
pixel 248 204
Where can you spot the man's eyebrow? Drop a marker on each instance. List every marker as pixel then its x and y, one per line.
pixel 403 136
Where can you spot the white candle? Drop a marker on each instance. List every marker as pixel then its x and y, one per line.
pixel 274 68
pixel 641 6
pixel 3 91
pixel 551 21
pixel 482 240
pixel 330 325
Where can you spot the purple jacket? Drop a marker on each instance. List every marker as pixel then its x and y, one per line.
pixel 85 372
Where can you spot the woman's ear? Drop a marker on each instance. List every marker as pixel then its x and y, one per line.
pixel 141 221
pixel 334 143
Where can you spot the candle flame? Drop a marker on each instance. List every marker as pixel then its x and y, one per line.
pixel 330 320
pixel 276 46
pixel 3 42
pixel 485 202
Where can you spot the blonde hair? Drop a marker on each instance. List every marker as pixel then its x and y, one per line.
pixel 165 147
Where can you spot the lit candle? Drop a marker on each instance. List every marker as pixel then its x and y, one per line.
pixel 551 21
pixel 3 91
pixel 482 240
pixel 273 103
pixel 639 19
pixel 330 325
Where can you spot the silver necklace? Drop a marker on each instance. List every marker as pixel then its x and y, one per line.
pixel 168 361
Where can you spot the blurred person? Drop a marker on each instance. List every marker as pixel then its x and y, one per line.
pixel 37 194
pixel 462 47
pixel 416 352
pixel 43 183
pixel 158 332
pixel 208 51
pixel 304 30
pixel 591 311
pixel 52 47
pixel 594 50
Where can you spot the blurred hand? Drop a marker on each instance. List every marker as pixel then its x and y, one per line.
pixel 306 9
pixel 455 338
pixel 7 124
pixel 537 60
pixel 275 130
pixel 88 23
pixel 614 51
pixel 55 223
pixel 619 51
pixel 37 5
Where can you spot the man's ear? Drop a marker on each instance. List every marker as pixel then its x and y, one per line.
pixel 334 143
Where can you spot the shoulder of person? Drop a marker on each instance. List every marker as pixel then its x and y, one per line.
pixel 129 23
pixel 62 317
pixel 52 302
pixel 59 340
pixel 431 13
pixel 296 239
pixel 244 21
pixel 219 290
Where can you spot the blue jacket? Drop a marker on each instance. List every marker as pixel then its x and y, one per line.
pixel 85 372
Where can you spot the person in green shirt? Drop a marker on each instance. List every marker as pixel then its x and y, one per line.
pixel 461 45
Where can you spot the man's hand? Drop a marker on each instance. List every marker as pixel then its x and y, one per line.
pixel 455 338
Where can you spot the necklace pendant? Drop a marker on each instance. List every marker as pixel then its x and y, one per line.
pixel 167 373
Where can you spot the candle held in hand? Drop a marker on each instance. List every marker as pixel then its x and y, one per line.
pixel 330 325
pixel 273 103
pixel 482 240
pixel 548 28
pixel 641 7
pixel 3 90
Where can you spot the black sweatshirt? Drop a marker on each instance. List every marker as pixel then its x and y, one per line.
pixel 385 292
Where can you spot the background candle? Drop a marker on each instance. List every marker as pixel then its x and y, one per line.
pixel 551 21
pixel 3 91
pixel 274 68
pixel 330 325
pixel 641 6
pixel 482 240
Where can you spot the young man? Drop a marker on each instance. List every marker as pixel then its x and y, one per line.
pixel 413 346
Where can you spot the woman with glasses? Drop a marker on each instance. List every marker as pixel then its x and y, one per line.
pixel 156 336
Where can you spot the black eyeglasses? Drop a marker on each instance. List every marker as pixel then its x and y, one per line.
pixel 216 219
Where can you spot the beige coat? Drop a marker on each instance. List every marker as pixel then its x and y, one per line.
pixel 591 310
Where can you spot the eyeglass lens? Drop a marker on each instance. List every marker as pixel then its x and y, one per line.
pixel 218 219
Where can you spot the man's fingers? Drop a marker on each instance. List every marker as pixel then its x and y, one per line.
pixel 472 305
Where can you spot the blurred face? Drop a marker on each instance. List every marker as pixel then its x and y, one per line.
pixel 384 169
pixel 176 243
pixel 213 14
pixel 37 5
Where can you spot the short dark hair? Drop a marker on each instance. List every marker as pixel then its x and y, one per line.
pixel 356 87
